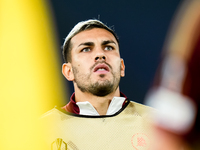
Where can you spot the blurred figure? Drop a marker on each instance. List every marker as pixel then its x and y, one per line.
pixel 177 83
pixel 30 82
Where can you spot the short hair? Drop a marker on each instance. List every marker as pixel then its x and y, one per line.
pixel 82 26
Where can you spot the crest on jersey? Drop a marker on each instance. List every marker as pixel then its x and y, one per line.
pixel 59 144
pixel 141 141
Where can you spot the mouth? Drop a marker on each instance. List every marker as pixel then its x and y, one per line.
pixel 101 68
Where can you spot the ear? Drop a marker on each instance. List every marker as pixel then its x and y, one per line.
pixel 122 68
pixel 67 71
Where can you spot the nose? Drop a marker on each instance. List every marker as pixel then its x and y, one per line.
pixel 100 57
pixel 100 54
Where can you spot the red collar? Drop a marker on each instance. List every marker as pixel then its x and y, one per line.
pixel 73 108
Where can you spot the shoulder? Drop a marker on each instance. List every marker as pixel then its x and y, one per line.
pixel 54 115
pixel 141 109
pixel 51 112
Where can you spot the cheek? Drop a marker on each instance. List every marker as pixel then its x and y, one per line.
pixel 116 65
pixel 81 67
pixel 117 61
pixel 77 62
pixel 82 61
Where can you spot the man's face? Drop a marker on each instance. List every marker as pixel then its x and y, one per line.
pixel 96 64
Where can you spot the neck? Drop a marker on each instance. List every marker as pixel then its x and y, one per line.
pixel 101 104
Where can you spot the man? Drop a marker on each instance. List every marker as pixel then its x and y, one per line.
pixel 98 115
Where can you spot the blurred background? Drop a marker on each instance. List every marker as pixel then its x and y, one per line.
pixel 141 26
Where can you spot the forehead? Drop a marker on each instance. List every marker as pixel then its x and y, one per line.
pixel 91 35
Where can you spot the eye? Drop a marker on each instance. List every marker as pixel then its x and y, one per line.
pixel 109 48
pixel 87 49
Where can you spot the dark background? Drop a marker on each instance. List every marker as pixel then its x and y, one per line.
pixel 141 25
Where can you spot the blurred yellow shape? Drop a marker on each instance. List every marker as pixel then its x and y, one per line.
pixel 30 76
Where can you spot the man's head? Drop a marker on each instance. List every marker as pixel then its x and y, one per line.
pixel 95 65
pixel 82 26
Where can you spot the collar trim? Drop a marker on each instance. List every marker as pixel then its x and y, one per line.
pixel 72 107
pixel 86 107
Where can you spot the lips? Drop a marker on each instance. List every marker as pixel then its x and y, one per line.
pixel 101 68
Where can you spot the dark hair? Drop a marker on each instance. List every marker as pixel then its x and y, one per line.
pixel 82 26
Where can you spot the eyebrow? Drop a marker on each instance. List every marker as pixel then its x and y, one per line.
pixel 92 44
pixel 108 42
pixel 86 44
